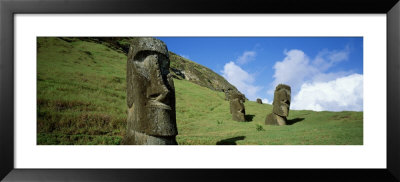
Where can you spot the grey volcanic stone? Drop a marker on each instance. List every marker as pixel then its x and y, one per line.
pixel 150 94
pixel 232 94
pixel 228 94
pixel 273 119
pixel 281 105
pixel 137 138
pixel 236 106
pixel 259 101
pixel 281 101
pixel 183 68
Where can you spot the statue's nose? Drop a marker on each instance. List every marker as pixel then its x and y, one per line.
pixel 286 101
pixel 158 89
pixel 159 96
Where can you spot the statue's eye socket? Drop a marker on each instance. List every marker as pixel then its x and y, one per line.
pixel 142 55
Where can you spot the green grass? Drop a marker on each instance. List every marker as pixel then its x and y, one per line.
pixel 81 99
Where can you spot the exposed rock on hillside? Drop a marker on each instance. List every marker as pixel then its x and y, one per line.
pixel 181 68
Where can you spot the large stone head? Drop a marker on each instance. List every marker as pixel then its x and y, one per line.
pixel 150 88
pixel 281 102
pixel 236 106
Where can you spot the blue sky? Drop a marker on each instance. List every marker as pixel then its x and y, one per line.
pixel 325 73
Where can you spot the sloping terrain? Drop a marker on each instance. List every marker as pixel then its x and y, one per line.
pixel 180 67
pixel 81 99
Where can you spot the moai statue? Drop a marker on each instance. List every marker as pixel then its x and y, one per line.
pixel 259 101
pixel 237 106
pixel 280 106
pixel 150 94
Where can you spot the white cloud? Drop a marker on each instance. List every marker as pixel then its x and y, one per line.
pixel 297 68
pixel 326 59
pixel 266 101
pixel 242 80
pixel 293 70
pixel 306 76
pixel 324 77
pixel 246 57
pixel 345 93
pixel 185 56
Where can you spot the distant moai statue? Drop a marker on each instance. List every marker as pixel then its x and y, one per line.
pixel 150 95
pixel 236 106
pixel 281 105
pixel 259 101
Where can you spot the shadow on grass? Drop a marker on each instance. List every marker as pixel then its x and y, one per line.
pixel 249 117
pixel 230 141
pixel 295 120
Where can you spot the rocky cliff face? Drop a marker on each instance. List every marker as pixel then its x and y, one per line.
pixel 183 68
pixel 180 67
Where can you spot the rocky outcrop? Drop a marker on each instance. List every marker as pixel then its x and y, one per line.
pixel 180 67
pixel 183 68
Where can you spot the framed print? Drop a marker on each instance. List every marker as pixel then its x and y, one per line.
pixel 57 65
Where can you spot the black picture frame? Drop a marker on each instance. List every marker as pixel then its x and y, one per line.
pixel 9 8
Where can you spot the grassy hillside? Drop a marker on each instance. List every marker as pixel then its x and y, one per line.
pixel 198 74
pixel 181 68
pixel 81 90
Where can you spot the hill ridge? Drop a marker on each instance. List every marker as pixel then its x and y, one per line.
pixel 180 67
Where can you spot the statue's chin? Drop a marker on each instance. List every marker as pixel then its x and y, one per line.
pixel 285 111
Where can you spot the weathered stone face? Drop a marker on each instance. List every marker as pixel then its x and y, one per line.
pixel 281 103
pixel 236 95
pixel 150 93
pixel 237 110
pixel 259 101
pixel 237 107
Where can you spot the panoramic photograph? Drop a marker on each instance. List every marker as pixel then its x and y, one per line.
pixel 199 91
